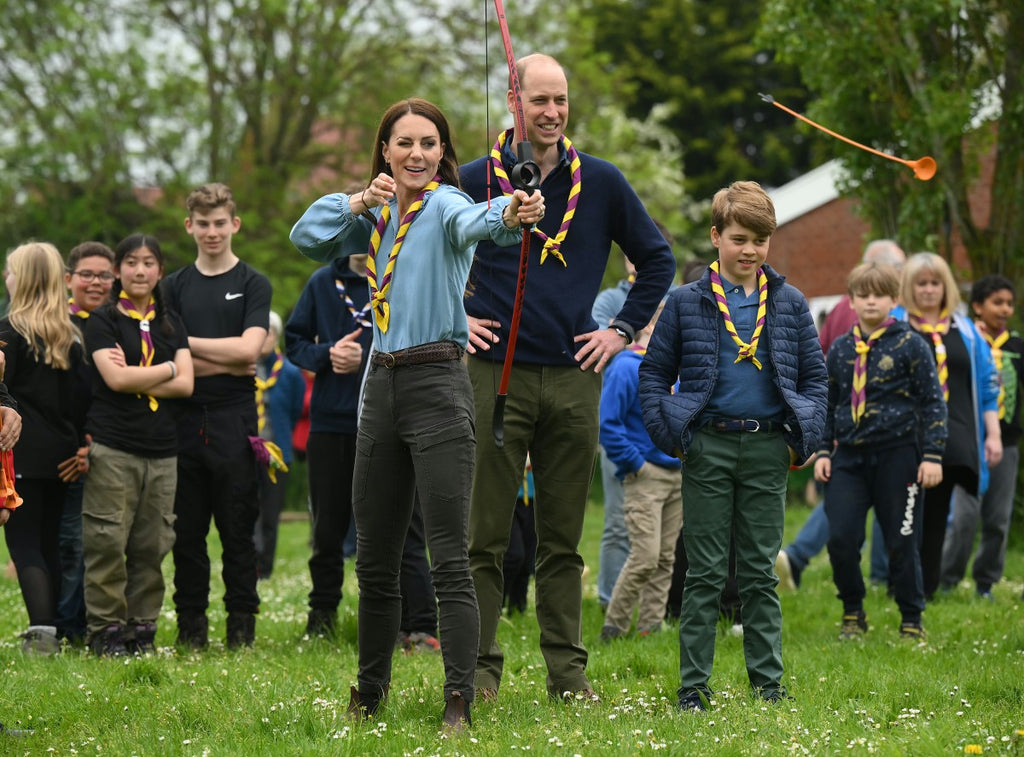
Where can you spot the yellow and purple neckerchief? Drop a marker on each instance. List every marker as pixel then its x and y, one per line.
pixel 263 385
pixel 147 338
pixel 379 289
pixel 551 246
pixel 77 310
pixel 858 394
pixel 358 316
pixel 996 344
pixel 936 330
pixel 746 351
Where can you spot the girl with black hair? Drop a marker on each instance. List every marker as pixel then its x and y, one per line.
pixel 140 358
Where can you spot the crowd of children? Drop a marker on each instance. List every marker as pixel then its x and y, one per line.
pixel 145 408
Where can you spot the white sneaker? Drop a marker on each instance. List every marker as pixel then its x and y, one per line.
pixel 785 572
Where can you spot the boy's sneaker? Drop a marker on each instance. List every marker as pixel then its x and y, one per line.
pixel 40 640
pixel 140 639
pixel 648 630
pixel 321 624
pixel 419 641
pixel 788 573
pixel 693 702
pixel 109 642
pixel 984 591
pixel 193 631
pixel 855 625
pixel 912 631
pixel 609 633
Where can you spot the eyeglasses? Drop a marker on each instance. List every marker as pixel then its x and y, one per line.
pixel 90 276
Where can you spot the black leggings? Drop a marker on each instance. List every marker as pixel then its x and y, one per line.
pixel 32 539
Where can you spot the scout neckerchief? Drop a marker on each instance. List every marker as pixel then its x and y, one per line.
pixel 77 309
pixel 358 316
pixel 936 330
pixel 996 343
pixel 147 339
pixel 379 291
pixel 747 351
pixel 858 395
pixel 263 385
pixel 551 246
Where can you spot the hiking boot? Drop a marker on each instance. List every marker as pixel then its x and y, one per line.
pixel 693 702
pixel 321 624
pixel 40 640
pixel 855 625
pixel 788 573
pixel 362 706
pixel 647 630
pixel 609 633
pixel 109 642
pixel 912 631
pixel 456 718
pixel 775 696
pixel 140 639
pixel 241 630
pixel 193 631
pixel 419 641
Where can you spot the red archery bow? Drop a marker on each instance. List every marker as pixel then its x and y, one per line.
pixel 524 175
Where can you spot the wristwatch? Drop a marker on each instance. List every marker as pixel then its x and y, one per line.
pixel 623 329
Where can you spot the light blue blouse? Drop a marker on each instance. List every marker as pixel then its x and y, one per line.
pixel 430 274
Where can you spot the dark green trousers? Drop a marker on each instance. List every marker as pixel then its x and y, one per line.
pixel 552 413
pixel 733 482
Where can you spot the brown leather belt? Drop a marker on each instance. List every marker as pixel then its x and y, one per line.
pixel 432 352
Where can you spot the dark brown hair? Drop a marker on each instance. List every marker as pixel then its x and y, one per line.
pixel 448 169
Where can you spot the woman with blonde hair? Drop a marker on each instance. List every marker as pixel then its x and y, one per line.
pixel 43 350
pixel 970 385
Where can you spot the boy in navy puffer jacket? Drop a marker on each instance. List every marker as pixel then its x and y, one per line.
pixel 751 403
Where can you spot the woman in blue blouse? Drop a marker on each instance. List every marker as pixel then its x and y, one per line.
pixel 416 429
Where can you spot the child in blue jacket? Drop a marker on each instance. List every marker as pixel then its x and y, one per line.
pixel 653 503
pixel 751 403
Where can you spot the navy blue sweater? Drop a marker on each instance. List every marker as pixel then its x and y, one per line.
pixel 903 397
pixel 558 299
pixel 686 343
pixel 321 318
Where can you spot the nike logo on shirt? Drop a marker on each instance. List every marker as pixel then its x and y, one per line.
pixel 230 296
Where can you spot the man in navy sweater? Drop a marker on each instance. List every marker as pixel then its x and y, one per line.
pixel 555 386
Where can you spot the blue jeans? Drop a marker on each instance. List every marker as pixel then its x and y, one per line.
pixel 614 537
pixel 71 600
pixel 813 537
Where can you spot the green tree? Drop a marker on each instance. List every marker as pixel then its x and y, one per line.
pixel 700 58
pixel 935 77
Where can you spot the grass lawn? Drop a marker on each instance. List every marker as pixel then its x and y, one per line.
pixel 962 692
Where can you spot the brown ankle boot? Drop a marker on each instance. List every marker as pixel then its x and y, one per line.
pixel 362 707
pixel 456 717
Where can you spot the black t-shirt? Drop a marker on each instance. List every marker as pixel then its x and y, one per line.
pixel 215 307
pixel 124 420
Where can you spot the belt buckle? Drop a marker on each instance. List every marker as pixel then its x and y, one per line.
pixel 387 359
pixel 755 429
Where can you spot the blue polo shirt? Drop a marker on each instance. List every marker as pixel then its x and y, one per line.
pixel 743 391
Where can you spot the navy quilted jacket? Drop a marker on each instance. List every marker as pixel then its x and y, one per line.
pixel 685 344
